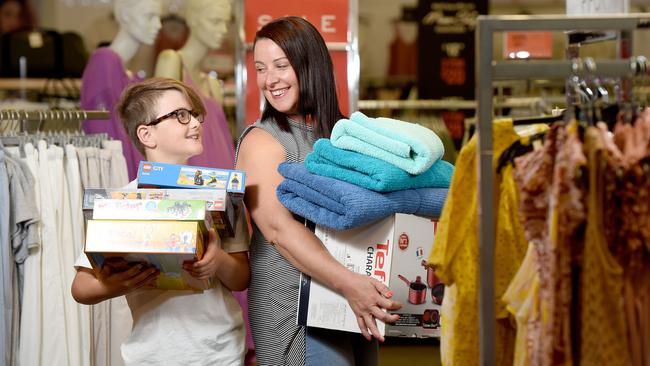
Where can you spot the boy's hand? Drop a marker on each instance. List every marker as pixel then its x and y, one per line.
pixel 120 277
pixel 208 265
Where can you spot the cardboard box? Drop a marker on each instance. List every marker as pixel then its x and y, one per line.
pixel 217 202
pixel 165 209
pixel 159 175
pixel 393 247
pixel 162 244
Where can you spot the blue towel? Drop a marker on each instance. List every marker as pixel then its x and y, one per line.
pixel 368 172
pixel 340 205
pixel 408 146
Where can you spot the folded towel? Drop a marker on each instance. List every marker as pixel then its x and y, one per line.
pixel 372 173
pixel 340 205
pixel 409 146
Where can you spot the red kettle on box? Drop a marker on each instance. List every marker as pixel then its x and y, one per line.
pixel 417 290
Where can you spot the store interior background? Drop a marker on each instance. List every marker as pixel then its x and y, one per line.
pixel 378 22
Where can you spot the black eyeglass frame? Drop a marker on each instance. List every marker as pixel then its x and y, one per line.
pixel 175 113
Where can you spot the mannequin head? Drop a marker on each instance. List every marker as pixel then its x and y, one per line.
pixel 15 15
pixel 208 20
pixel 139 18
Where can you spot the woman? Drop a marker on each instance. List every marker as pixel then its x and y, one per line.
pixel 295 74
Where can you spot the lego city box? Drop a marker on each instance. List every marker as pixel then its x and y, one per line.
pixel 161 175
pixel 165 245
pixel 217 202
pixel 393 251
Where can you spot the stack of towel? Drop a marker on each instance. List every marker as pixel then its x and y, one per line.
pixel 369 169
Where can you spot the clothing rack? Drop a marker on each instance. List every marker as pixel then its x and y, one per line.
pixel 51 114
pixel 488 70
pixel 441 104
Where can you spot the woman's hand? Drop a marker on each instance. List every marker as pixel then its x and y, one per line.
pixel 208 265
pixel 368 298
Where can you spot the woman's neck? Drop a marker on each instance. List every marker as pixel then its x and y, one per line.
pixel 124 45
pixel 192 53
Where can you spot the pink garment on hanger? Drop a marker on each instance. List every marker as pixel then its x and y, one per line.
pixel 218 144
pixel 102 82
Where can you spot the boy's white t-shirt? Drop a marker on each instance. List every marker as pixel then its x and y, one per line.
pixel 185 327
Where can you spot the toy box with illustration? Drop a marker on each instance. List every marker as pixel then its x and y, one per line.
pixel 162 244
pixel 166 209
pixel 217 202
pixel 159 175
pixel 392 251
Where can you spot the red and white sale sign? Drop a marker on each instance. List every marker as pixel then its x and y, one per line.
pixel 329 17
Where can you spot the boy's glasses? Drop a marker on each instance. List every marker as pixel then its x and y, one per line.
pixel 184 116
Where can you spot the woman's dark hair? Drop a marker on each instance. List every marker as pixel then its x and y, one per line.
pixel 306 50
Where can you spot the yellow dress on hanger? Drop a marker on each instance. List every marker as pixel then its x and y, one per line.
pixel 455 254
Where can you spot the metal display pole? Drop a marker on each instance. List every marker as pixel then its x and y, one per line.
pixel 487 71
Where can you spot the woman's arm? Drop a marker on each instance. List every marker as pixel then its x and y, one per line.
pixel 259 156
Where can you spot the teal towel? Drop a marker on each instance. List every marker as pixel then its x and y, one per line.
pixel 371 173
pixel 408 146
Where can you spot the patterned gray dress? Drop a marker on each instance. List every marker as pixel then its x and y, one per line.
pixel 273 292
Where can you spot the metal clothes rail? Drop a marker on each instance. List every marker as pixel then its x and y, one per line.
pixel 489 70
pixel 441 104
pixel 51 114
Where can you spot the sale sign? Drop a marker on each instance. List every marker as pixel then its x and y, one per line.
pixel 331 18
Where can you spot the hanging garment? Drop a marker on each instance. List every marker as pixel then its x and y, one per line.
pixel 522 301
pixel 601 276
pixel 455 256
pixel 23 235
pixel 31 318
pixel 54 341
pixel 77 225
pixel 6 293
pixel 553 213
pixel 103 81
pixel 634 232
pixel 118 173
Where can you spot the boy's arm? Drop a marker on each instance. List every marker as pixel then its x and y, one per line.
pixel 231 268
pixel 88 289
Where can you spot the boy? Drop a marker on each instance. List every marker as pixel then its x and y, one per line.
pixel 163 118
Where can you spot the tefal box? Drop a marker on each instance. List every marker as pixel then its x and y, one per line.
pixel 217 202
pixel 391 251
pixel 160 175
pixel 162 244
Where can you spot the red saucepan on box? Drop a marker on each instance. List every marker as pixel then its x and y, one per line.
pixel 417 290
pixel 433 282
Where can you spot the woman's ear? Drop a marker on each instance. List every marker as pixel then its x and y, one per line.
pixel 146 137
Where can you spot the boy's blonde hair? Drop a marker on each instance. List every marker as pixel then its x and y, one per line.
pixel 137 104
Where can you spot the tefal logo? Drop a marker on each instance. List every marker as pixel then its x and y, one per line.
pixel 403 241
pixel 380 260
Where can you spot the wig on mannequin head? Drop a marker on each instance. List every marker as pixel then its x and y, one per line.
pixel 306 50
pixel 208 20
